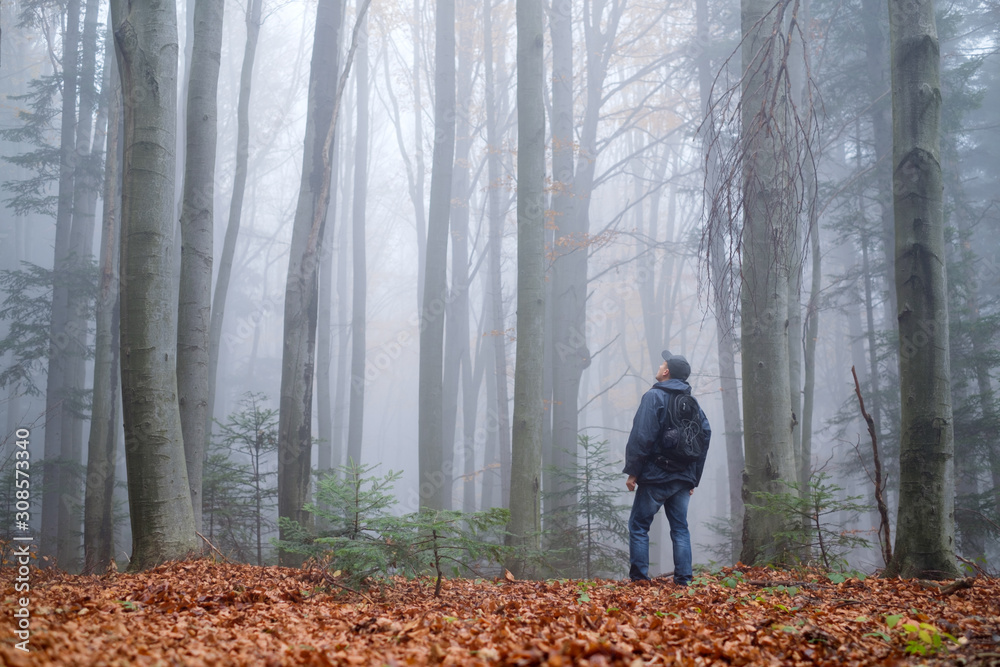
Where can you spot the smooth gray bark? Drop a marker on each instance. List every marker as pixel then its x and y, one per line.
pixel 767 211
pixel 355 422
pixel 458 356
pixel 925 524
pixel 98 528
pixel 569 269
pixel 570 351
pixel 341 382
pixel 875 28
pixel 197 230
pixel 434 480
pixel 721 268
pixel 496 460
pixel 89 138
pixel 159 497
pixel 221 292
pixel 56 392
pixel 302 283
pixel 526 450
pixel 324 350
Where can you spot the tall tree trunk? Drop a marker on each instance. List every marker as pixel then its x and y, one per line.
pixel 570 353
pixel 302 285
pixel 526 452
pixel 235 208
pixel 324 350
pixel 159 497
pixel 56 393
pixel 496 475
pixel 767 209
pixel 458 358
pixel 420 171
pixel 877 64
pixel 342 384
pixel 434 480
pixel 811 339
pixel 197 229
pixel 81 241
pixel 868 280
pixel 472 378
pixel 652 284
pixel 98 527
pixel 569 273
pixel 722 271
pixel 355 422
pixel 925 524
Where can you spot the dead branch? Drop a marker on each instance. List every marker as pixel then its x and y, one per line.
pixel 333 582
pixel 957 585
pixel 883 510
pixel 213 547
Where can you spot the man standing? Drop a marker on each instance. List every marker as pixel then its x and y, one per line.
pixel 662 481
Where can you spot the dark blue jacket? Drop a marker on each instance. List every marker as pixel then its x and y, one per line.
pixel 647 426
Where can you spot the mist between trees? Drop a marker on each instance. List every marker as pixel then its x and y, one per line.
pixel 447 241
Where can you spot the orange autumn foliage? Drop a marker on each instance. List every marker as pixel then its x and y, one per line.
pixel 204 613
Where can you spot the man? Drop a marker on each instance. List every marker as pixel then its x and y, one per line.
pixel 661 482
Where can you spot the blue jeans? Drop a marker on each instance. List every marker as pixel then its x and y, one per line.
pixel 647 502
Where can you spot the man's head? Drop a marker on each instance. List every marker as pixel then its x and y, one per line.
pixel 678 367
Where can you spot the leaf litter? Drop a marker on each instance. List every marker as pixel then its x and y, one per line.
pixel 204 613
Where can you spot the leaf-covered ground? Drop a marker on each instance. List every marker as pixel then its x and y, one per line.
pixel 203 613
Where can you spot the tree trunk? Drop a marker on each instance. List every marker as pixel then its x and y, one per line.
pixel 877 64
pixel 324 350
pixel 342 384
pixel 458 358
pixel 197 228
pixel 434 480
pixel 722 296
pixel 525 483
pixel 302 285
pixel 874 391
pixel 569 269
pixel 811 338
pixel 767 193
pixel 56 393
pixel 159 498
pixel 570 353
pixel 98 527
pixel 235 209
pixel 420 171
pixel 355 422
pixel 81 241
pixel 925 524
pixel 496 476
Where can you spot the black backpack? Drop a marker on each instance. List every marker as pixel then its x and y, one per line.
pixel 682 441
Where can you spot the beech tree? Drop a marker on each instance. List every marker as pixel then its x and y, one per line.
pixel 197 228
pixel 302 284
pixel 298 361
pixel 253 20
pixel 98 529
pixel 925 524
pixel 496 493
pixel 434 480
pixel 526 449
pixel 359 300
pixel 159 496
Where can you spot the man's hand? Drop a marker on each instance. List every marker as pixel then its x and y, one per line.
pixel 630 482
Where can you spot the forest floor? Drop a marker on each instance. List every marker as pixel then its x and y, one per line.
pixel 205 613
